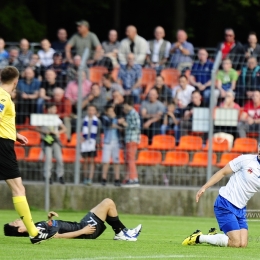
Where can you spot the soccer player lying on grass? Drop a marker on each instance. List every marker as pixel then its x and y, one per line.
pixel 90 227
pixel 230 205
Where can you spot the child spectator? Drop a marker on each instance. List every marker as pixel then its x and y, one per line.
pixel 52 145
pixel 46 53
pixel 88 145
pixel 111 144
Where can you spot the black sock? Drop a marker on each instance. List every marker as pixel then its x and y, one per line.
pixel 115 223
pixel 197 239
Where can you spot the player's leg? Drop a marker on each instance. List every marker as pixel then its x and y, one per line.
pixel 243 237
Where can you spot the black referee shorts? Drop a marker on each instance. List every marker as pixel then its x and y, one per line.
pixel 8 163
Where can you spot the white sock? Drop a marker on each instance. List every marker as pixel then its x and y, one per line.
pixel 218 239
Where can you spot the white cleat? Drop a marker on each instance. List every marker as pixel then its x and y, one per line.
pixel 122 236
pixel 134 232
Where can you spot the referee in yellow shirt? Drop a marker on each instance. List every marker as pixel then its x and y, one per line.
pixel 8 164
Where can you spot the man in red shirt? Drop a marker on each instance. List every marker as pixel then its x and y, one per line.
pixel 64 108
pixel 250 118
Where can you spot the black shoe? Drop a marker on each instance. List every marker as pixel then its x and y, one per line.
pixel 50 181
pixel 104 182
pixel 117 183
pixel 61 180
pixel 46 232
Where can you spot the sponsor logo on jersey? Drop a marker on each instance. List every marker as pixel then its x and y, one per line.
pixel 250 171
pixel 2 107
pixel 3 100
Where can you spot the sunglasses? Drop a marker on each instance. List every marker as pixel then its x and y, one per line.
pixel 229 35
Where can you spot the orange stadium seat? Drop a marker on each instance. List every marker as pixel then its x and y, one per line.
pixel 218 145
pixel 115 73
pixel 20 153
pixel 34 138
pixel 121 156
pixel 96 73
pixel 148 76
pixel 35 155
pixel 64 139
pixel 245 145
pixel 149 158
pixel 190 143
pixel 226 158
pixel 68 155
pixel 162 142
pixel 200 159
pixel 143 142
pixel 98 158
pixel 176 159
pixel 171 77
pixel 73 140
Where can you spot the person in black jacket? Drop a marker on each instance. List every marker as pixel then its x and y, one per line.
pixel 252 48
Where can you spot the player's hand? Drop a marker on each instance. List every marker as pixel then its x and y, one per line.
pixel 199 193
pixel 21 139
pixel 88 230
pixel 52 214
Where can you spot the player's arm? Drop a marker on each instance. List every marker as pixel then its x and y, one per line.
pixel 84 231
pixel 214 179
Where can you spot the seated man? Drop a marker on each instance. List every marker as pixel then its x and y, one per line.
pixel 90 227
pixel 3 53
pixel 12 59
pixel 46 53
pixel 129 77
pixel 250 118
pixel 112 44
pixel 117 103
pixel 25 53
pixel 109 86
pixel 60 43
pixel 73 68
pixel 164 92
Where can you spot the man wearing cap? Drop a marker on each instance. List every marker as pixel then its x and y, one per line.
pixel 82 40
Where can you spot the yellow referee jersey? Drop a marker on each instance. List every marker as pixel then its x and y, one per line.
pixel 7 116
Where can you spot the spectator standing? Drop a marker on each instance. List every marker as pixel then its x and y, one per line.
pixel 25 53
pixel 182 52
pixel 132 44
pixel 252 48
pixel 152 111
pixel 3 53
pixel 109 86
pixel 132 125
pixel 129 77
pixel 52 146
pixel 112 44
pixel 73 68
pixel 111 146
pixel 232 49
pixel 12 59
pixel 82 40
pixel 46 53
pixel 158 50
pixel 227 77
pixel 60 43
pixel 27 95
pixel 182 93
pixel 88 145
pixel 250 118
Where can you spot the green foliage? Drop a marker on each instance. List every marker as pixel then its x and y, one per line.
pixel 17 22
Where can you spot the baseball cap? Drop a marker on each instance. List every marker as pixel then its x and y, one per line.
pixel 82 22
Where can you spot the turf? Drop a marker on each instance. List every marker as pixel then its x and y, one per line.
pixel 160 238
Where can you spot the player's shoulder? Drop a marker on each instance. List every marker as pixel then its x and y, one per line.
pixel 246 158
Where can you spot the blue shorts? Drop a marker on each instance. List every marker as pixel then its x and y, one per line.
pixel 229 217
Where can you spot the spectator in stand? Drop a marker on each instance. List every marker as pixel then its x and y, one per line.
pixel 52 146
pixel 182 93
pixel 158 50
pixel 101 60
pixel 182 52
pixel 252 48
pixel 132 125
pixel 226 78
pixel 129 77
pixel 46 53
pixel 12 59
pixel 97 98
pixel 60 69
pixel 3 53
pixel 229 101
pixel 201 76
pixel 73 68
pixel 82 40
pixel 164 92
pixel 27 95
pixel 248 81
pixel 25 54
pixel 117 102
pixel 112 44
pixel 109 86
pixel 88 146
pixel 35 65
pixel 46 90
pixel 186 121
pixel 132 44
pixel 151 115
pixel 250 118
pixel 232 49
pixel 64 108
pixel 59 45
pixel 111 145
pixel 71 91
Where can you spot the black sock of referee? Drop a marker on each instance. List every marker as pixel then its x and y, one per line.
pixel 115 223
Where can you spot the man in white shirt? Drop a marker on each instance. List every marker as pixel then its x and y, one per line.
pixel 230 205
pixel 158 50
pixel 182 93
pixel 132 44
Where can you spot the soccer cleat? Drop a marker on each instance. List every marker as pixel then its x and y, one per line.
pixel 123 236
pixel 133 232
pixel 46 232
pixel 192 239
pixel 212 231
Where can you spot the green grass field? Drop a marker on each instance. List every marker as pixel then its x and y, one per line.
pixel 160 238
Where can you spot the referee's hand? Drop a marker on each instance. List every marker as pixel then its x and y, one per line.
pixel 21 139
